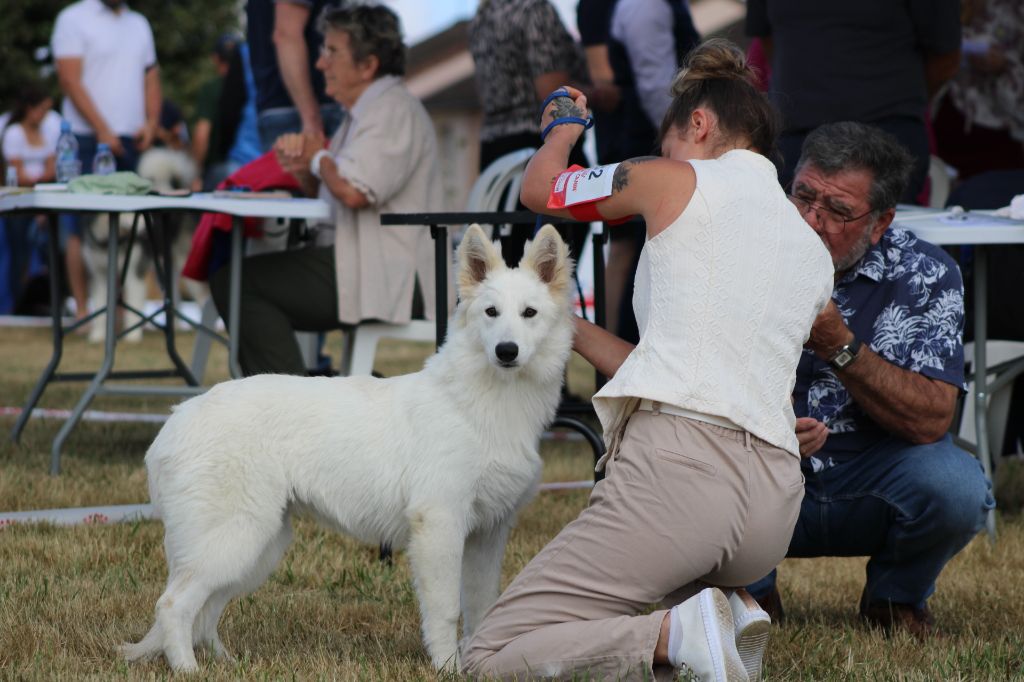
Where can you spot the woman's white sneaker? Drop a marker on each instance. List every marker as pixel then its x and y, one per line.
pixel 752 625
pixel 707 647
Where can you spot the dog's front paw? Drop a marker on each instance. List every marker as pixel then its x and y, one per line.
pixel 450 664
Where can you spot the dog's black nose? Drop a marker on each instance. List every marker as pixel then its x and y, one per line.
pixel 506 351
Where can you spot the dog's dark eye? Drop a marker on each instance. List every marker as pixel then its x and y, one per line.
pixel 529 312
pixel 492 312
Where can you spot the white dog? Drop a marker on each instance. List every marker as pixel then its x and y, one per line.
pixel 167 169
pixel 437 462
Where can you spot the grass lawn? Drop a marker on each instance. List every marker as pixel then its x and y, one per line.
pixel 69 595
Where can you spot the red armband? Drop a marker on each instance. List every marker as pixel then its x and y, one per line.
pixel 579 190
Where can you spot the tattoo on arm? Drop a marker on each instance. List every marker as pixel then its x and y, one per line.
pixel 565 107
pixel 620 180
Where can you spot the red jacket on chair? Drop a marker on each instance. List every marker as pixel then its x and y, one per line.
pixel 262 174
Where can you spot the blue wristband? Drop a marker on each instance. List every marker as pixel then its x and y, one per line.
pixel 587 122
pixel 560 92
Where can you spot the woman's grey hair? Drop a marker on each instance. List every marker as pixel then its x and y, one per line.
pixel 373 30
pixel 836 147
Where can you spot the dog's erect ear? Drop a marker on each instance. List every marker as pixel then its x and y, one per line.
pixel 548 256
pixel 477 257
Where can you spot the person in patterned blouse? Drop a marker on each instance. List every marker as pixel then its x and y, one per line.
pixel 521 52
pixel 877 387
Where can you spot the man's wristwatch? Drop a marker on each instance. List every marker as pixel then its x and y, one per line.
pixel 845 355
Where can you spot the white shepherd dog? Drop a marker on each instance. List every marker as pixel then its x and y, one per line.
pixel 438 462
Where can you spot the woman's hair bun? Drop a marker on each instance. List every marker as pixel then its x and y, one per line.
pixel 715 58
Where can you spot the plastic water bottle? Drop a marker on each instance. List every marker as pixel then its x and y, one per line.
pixel 68 165
pixel 103 163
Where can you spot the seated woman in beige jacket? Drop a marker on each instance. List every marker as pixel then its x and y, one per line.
pixel 382 159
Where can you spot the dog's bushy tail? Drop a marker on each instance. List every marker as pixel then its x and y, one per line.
pixel 150 646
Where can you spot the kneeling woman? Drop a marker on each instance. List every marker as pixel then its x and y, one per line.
pixel 703 481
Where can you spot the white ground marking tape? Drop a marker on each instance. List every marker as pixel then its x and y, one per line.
pixel 88 415
pixel 139 512
pixel 79 515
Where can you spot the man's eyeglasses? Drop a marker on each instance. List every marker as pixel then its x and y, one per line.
pixel 327 53
pixel 831 221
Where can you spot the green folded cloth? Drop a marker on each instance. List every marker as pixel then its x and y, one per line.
pixel 122 182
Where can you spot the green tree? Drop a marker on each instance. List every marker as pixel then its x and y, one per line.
pixel 185 32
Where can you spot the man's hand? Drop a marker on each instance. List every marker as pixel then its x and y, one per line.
pixel 829 332
pixel 288 151
pixel 993 61
pixel 144 137
pixel 111 140
pixel 811 435
pixel 294 151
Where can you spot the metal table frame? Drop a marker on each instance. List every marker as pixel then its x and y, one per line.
pixel 982 231
pixel 567 416
pixel 54 203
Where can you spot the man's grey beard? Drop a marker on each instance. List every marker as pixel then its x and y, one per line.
pixel 857 251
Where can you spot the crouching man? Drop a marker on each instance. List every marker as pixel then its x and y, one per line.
pixel 877 387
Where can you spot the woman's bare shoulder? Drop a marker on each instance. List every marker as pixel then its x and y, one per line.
pixel 651 174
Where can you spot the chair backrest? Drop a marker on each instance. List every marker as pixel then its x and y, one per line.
pixel 938 174
pixel 996 352
pixel 503 177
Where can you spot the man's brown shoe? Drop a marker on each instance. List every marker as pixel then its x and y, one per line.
pixel 772 604
pixel 892 616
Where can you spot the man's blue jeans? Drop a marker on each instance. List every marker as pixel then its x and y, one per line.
pixel 68 223
pixel 910 508
pixel 273 123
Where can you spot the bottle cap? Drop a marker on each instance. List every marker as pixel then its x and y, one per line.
pixel 103 147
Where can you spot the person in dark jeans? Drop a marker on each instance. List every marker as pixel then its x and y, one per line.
pixel 875 62
pixel 283 49
pixel 647 42
pixel 877 388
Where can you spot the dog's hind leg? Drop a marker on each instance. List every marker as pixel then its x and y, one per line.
pixel 435 555
pixel 175 613
pixel 205 627
pixel 204 630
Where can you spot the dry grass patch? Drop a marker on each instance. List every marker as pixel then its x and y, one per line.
pixel 331 611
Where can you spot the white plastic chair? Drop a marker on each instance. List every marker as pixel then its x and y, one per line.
pixel 940 176
pixel 996 352
pixel 505 173
pixel 361 342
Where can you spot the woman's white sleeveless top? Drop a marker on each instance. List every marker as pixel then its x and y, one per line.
pixel 724 300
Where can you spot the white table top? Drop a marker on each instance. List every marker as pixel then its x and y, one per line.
pixel 314 209
pixel 973 227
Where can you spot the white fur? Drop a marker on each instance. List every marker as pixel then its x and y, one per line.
pixel 437 462
pixel 167 169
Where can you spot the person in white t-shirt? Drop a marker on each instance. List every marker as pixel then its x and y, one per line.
pixel 29 141
pixel 107 66
pixel 108 71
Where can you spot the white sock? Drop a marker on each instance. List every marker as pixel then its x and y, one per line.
pixel 675 637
